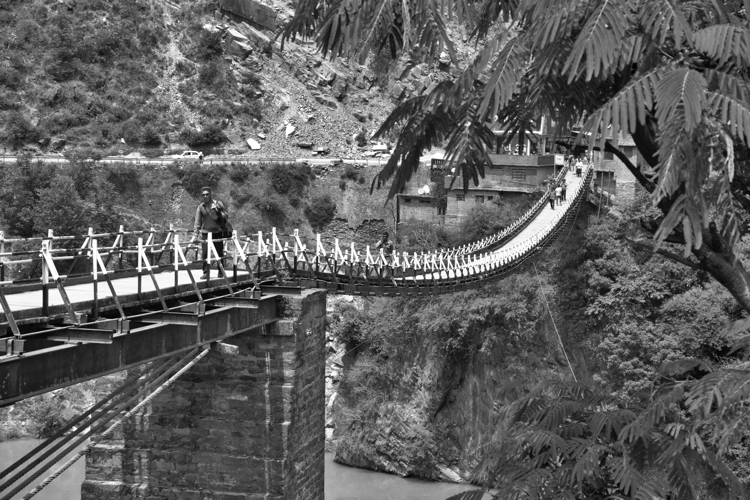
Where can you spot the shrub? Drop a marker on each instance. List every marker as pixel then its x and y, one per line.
pixel 238 173
pixel 211 134
pixel 342 185
pixel 240 196
pixel 150 135
pixel 196 177
pixel 288 178
pixel 350 173
pixel 208 45
pixel 19 130
pixel 320 211
pixel 10 77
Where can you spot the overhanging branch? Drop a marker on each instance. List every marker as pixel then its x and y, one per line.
pixel 669 255
pixel 642 179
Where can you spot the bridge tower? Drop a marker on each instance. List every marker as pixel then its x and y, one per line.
pixel 241 425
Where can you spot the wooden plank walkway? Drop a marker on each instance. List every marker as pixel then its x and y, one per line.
pixel 547 214
pixel 28 304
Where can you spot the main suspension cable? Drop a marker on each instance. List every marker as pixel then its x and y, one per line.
pixel 104 419
pixel 119 421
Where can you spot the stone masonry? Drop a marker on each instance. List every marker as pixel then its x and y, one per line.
pixel 241 427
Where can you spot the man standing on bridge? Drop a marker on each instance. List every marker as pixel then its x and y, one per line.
pixel 211 218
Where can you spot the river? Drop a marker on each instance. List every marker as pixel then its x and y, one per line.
pixel 341 482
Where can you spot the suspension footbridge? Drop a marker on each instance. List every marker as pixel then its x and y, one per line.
pixel 78 307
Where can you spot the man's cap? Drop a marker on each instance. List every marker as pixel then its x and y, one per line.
pixel 204 189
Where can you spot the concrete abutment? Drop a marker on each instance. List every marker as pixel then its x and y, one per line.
pixel 241 427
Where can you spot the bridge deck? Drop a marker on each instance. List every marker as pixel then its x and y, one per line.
pixel 28 304
pixel 546 215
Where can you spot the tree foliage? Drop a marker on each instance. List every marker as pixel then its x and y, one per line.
pixel 672 73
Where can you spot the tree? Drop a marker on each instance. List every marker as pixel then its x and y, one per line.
pixel 672 73
pixel 675 75
pixel 20 182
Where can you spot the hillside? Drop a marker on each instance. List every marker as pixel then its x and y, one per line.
pixel 153 76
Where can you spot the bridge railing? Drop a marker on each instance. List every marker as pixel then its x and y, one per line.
pixel 38 263
pixel 350 266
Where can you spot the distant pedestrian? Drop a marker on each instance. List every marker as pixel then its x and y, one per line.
pixel 551 195
pixel 386 244
pixel 564 190
pixel 558 195
pixel 579 167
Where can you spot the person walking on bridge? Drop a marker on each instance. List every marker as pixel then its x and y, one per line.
pixel 210 217
pixel 564 187
pixel 551 195
pixel 558 195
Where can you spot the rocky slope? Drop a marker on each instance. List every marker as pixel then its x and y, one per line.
pixel 155 76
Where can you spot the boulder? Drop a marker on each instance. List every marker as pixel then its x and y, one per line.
pixel 322 150
pixel 380 147
pixel 325 100
pixel 252 144
pixel 397 91
pixel 290 129
pixel 257 37
pixel 261 135
pixel 253 11
pixel 238 44
pixel 57 143
pixel 359 115
pixel 305 145
pixel 283 102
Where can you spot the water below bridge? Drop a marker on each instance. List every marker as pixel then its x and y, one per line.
pixel 341 482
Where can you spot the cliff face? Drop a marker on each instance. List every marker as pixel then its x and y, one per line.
pixel 423 397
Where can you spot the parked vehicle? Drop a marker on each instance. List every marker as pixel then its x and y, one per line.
pixel 190 156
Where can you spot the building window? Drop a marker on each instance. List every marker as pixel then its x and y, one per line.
pixel 407 200
pixel 489 198
pixel 441 210
pixel 459 197
pixel 479 199
pixel 519 174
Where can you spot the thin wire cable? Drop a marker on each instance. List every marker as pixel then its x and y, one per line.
pixel 104 419
pixel 83 451
pixel 117 393
pixel 541 288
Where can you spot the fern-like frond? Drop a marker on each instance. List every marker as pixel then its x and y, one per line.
pixel 430 30
pixel 468 495
pixel 681 366
pixel 629 107
pixel 626 476
pixel 725 473
pixel 654 414
pixel 718 393
pixel 731 111
pixel 678 476
pixel 725 43
pixel 599 40
pixel 307 15
pixel 490 12
pixel 467 146
pixel 425 127
pixel 606 426
pixel 486 57
pixel 352 26
pixel 506 72
pixel 681 89
pixel 662 18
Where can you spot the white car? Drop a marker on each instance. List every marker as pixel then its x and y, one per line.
pixel 190 156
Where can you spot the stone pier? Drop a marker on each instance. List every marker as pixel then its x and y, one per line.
pixel 241 427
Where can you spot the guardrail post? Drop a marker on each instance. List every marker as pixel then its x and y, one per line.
pixel 95 273
pixel 45 275
pixel 122 244
pixel 139 268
